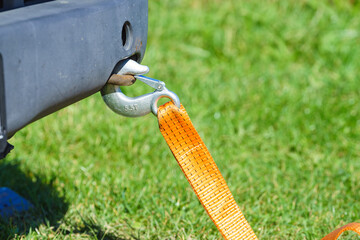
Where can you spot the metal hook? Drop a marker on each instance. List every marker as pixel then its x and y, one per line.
pixel 117 101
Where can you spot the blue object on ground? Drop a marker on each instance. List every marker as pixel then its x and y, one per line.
pixel 12 203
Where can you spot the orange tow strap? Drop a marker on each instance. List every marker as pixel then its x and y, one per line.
pixel 335 234
pixel 205 178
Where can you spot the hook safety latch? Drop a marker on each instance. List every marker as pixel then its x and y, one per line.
pixel 117 101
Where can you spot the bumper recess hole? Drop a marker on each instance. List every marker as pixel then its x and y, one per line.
pixel 126 35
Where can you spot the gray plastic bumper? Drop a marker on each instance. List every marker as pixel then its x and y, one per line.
pixel 56 53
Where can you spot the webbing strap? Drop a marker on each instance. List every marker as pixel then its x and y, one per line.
pixel 202 172
pixel 336 233
pixel 205 178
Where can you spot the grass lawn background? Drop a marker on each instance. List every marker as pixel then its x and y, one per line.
pixel 273 89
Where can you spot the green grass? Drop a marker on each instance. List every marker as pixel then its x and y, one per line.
pixel 273 89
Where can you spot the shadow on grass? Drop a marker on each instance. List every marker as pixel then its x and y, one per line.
pixel 91 228
pixel 48 209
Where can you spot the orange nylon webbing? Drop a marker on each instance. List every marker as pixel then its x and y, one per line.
pixel 205 178
pixel 349 227
pixel 202 172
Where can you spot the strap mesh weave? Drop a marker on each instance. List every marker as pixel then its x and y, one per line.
pixel 202 172
pixel 336 233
